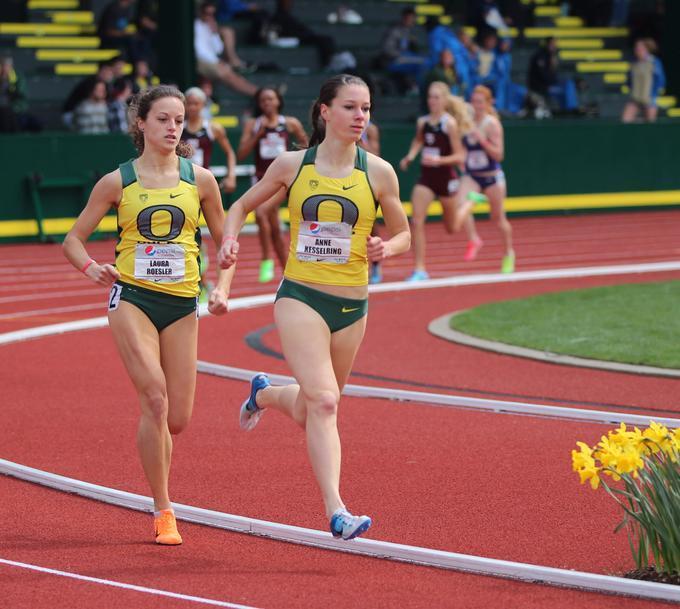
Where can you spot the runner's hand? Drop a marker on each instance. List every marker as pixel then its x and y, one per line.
pixel 228 253
pixel 218 304
pixel 376 249
pixel 103 274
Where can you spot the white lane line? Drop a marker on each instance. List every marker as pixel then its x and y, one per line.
pixel 100 322
pixel 461 280
pixel 560 273
pixel 368 547
pixel 115 584
pixel 455 401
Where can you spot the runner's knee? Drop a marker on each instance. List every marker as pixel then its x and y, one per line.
pixel 322 403
pixel 155 403
pixel 178 423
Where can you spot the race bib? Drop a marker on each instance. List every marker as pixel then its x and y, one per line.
pixel 324 242
pixel 453 186
pixel 431 151
pixel 114 296
pixel 271 146
pixel 198 152
pixel 159 263
pixel 477 159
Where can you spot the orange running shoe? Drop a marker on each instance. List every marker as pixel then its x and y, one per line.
pixel 166 528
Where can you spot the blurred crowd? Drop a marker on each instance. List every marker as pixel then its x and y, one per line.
pixel 407 59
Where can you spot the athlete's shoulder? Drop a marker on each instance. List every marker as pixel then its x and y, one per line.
pixel 201 174
pixel 379 170
pixel 217 129
pixel 109 188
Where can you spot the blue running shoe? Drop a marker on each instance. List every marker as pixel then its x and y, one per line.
pixel 250 412
pixel 418 276
pixel 344 525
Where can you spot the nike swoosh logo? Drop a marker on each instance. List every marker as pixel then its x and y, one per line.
pixel 175 196
pixel 348 187
pixel 346 310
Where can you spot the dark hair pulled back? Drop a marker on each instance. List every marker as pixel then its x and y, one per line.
pixel 327 94
pixel 139 107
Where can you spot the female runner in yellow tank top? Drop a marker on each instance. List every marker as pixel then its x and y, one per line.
pixel 159 198
pixel 334 189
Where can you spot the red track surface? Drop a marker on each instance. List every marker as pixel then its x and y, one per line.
pixel 492 485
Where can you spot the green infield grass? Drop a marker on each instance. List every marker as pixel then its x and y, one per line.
pixel 633 324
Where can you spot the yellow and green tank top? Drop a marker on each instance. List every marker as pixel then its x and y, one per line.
pixel 158 233
pixel 330 219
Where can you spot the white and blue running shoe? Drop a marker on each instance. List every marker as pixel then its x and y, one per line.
pixel 344 525
pixel 250 412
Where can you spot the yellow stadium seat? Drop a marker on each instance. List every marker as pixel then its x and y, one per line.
pixel 511 32
pixel 76 55
pixel 580 43
pixel 602 66
pixel 53 4
pixel 40 29
pixel 674 112
pixel 576 32
pixel 83 69
pixel 81 42
pixel 226 121
pixel 82 17
pixel 666 101
pixel 615 78
pixel 568 21
pixel 590 55
pixel 429 9
pixel 547 11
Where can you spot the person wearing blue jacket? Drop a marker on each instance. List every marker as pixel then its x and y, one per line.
pixel 646 81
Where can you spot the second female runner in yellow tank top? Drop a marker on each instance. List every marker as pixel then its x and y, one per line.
pixel 321 305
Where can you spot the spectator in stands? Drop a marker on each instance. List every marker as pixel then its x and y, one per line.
pixel 229 11
pixel 400 53
pixel 487 68
pixel 114 27
pixel 14 115
pixel 91 115
pixel 83 88
pixel 121 90
pixel 444 71
pixel 646 80
pixel 286 25
pixel 511 97
pixel 440 38
pixel 485 16
pixel 211 107
pixel 147 29
pixel 209 47
pixel 619 15
pixel 545 80
pixel 143 77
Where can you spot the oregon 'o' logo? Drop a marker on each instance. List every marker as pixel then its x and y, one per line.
pixel 145 222
pixel 310 208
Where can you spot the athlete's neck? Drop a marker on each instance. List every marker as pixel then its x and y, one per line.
pixel 435 116
pixel 335 155
pixel 194 124
pixel 151 161
pixel 270 119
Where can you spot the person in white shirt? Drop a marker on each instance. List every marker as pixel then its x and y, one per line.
pixel 208 47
